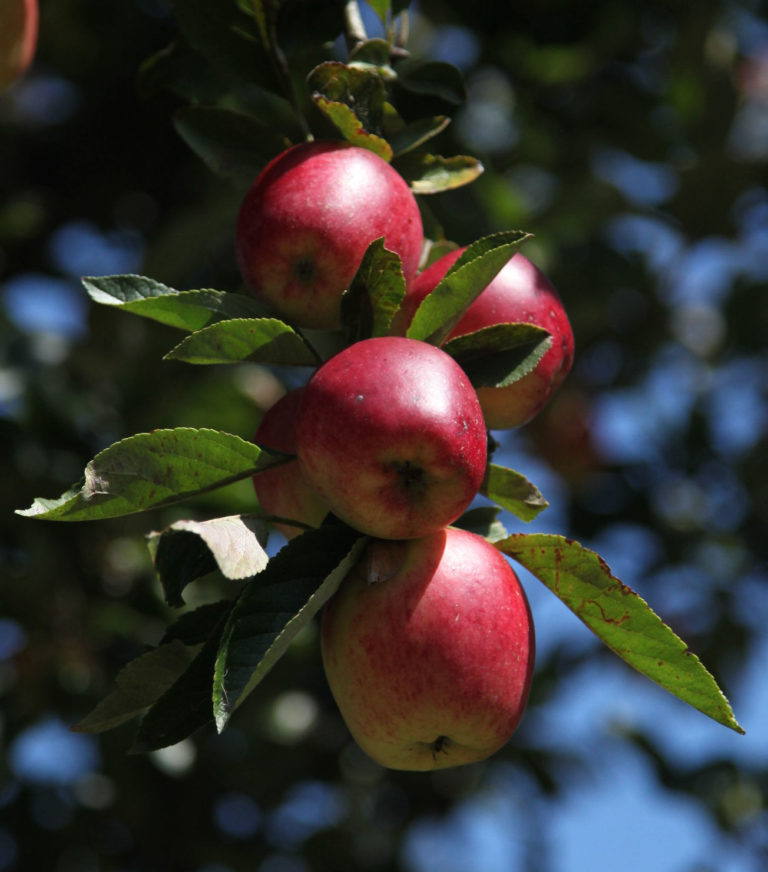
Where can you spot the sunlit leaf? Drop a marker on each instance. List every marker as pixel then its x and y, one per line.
pixel 374 295
pixel 441 309
pixel 433 174
pixel 513 491
pixel 260 340
pixel 352 129
pixel 154 469
pixel 353 99
pixel 187 310
pixel 275 605
pixel 620 619
pixel 191 549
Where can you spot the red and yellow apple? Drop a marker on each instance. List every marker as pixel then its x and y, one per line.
pixel 18 38
pixel 520 293
pixel 428 647
pixel 391 435
pixel 282 490
pixel 307 220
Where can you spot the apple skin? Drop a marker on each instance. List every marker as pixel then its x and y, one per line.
pixel 520 292
pixel 428 647
pixel 307 220
pixel 391 435
pixel 18 38
pixel 283 490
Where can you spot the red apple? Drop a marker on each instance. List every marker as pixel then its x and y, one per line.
pixel 18 38
pixel 307 220
pixel 428 647
pixel 283 491
pixel 519 293
pixel 391 434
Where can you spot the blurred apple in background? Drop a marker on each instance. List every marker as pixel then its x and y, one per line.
pixel 18 38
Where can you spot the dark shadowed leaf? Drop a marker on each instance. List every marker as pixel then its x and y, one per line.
pixel 138 685
pixel 433 79
pixel 228 38
pixel 232 144
pixel 417 133
pixel 261 340
pixel 187 310
pixel 275 605
pixel 195 626
pixel 441 309
pixel 484 521
pixel 433 174
pixel 374 295
pixel 500 354
pixel 191 549
pixel 186 705
pixel 155 469
pixel 620 619
pixel 513 491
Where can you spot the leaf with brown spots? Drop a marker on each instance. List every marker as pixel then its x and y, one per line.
pixel 620 618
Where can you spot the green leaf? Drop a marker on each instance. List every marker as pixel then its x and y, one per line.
pixel 179 69
pixel 265 13
pixel 374 295
pixel 500 354
pixel 433 79
pixel 352 129
pixel 275 605
pixel 232 145
pixel 187 310
pixel 188 550
pixel 138 685
pixel 433 174
pixel 373 54
pixel 441 309
pixel 228 39
pixel 380 7
pixel 186 705
pixel 262 340
pixel 413 135
pixel 154 469
pixel 484 521
pixel 195 626
pixel 353 99
pixel 512 491
pixel 620 619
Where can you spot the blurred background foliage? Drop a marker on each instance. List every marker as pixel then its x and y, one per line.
pixel 632 140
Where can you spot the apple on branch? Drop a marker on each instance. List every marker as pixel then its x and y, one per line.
pixel 282 490
pixel 391 435
pixel 520 293
pixel 307 221
pixel 428 648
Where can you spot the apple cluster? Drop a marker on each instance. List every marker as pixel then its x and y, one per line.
pixel 428 644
